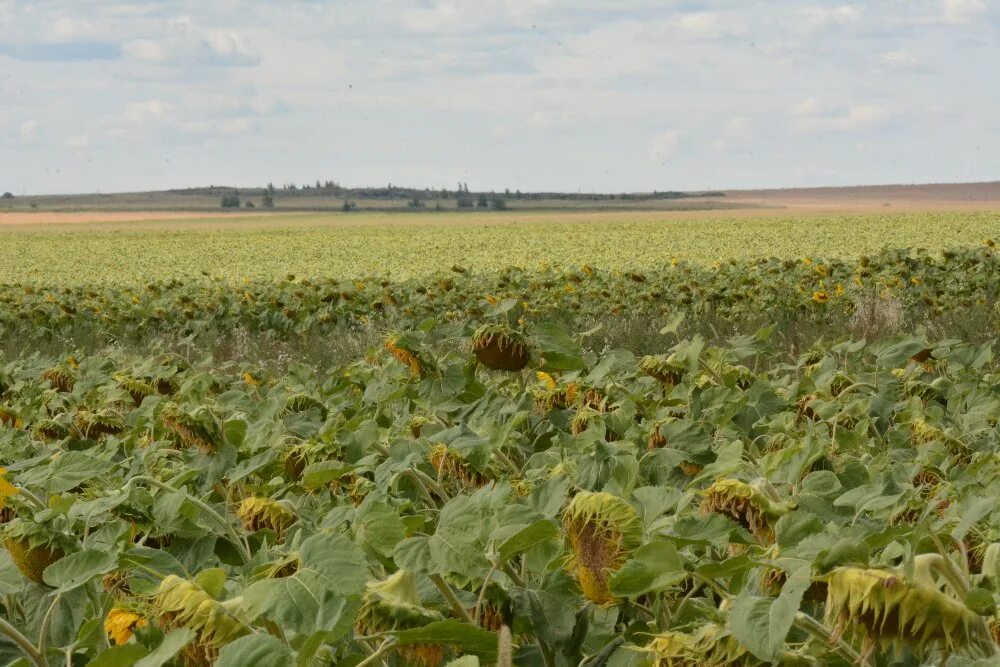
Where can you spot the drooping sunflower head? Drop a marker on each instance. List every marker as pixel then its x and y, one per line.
pixel 403 348
pixel 180 603
pixel 61 378
pixel 548 397
pixel 751 505
pixel 886 607
pixel 583 419
pixel 259 513
pixel 664 368
pixel 393 604
pixel 450 465
pixel 99 423
pixel 709 646
pixel 33 546
pixel 603 530
pixel 51 430
pixel 301 402
pixel 192 428
pixel 137 388
pixel 500 347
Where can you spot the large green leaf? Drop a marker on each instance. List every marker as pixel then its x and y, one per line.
pixel 652 567
pixel 761 624
pixel 78 568
pixel 467 638
pixel 258 649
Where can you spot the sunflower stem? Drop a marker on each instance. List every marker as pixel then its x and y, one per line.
pixel 226 525
pixel 26 646
pixel 45 623
pixel 482 593
pixel 805 622
pixel 449 595
pixel 383 648
pixel 32 498
pixel 428 482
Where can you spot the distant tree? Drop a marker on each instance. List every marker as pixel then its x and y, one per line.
pixel 483 202
pixel 507 192
pixel 230 201
pixel 249 204
pixel 415 203
pixel 518 194
pixel 270 188
pixel 6 195
pixel 499 204
pixel 348 206
pixel 463 201
pixel 267 201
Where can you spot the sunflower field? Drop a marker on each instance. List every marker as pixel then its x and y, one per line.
pixel 492 482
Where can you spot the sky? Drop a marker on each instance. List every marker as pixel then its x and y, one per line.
pixel 570 95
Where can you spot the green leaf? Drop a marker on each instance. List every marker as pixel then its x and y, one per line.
pixel 467 638
pixel 125 655
pixel 652 567
pixel 79 568
pixel 319 474
pixel 466 661
pixel 761 624
pixel 212 581
pixel 672 324
pixel 259 649
pixel 540 531
pixel 322 594
pixel 168 648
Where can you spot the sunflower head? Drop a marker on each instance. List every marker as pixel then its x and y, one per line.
pixel 666 369
pixel 33 546
pixel 450 465
pixel 549 396
pixel 393 604
pixel 709 646
pixel 603 530
pixel 96 424
pixel 192 428
pixel 500 347
pixel 258 513
pixel 886 607
pixel 61 377
pixel 180 603
pixel 403 348
pixel 752 505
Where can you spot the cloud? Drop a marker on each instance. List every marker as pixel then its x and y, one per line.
pixel 709 25
pixel 811 116
pixel 189 44
pixel 737 135
pixel 665 146
pixel 62 51
pixel 962 11
pixel 901 60
pixel 29 129
pixel 812 19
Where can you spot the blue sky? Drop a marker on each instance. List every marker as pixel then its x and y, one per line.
pixel 592 95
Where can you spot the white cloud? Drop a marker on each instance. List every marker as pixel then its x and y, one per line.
pixel 29 129
pixel 812 19
pixel 737 135
pixel 665 146
pixel 811 116
pixel 962 11
pixel 78 142
pixel 186 43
